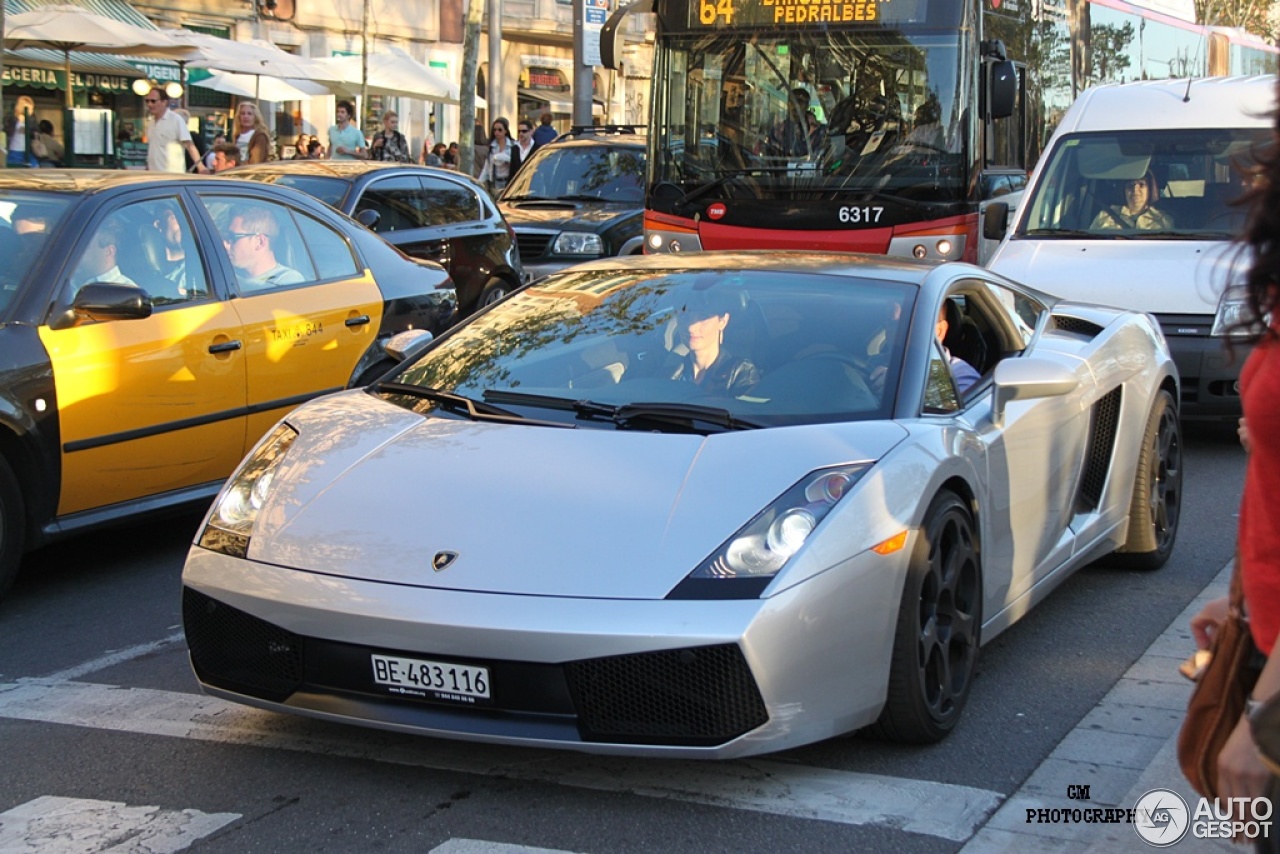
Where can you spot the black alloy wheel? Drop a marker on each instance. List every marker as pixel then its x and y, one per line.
pixel 935 650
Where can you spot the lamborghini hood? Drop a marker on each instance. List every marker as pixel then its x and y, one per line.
pixel 371 491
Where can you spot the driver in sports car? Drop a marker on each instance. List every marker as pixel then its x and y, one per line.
pixel 709 364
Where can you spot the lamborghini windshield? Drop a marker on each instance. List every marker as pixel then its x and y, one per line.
pixel 629 348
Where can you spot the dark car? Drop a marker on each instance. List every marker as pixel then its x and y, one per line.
pixel 429 213
pixel 578 198
pixel 153 327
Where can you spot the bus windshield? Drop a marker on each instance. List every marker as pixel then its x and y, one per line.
pixel 811 116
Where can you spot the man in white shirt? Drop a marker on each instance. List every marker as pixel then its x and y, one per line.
pixel 168 137
pixel 98 263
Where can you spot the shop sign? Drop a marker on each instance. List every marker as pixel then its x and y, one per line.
pixel 47 78
pixel 162 73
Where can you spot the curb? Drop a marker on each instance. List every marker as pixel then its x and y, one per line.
pixel 1125 747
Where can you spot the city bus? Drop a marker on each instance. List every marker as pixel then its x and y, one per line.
pixel 879 125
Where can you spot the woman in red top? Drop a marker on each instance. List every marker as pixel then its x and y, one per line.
pixel 1240 770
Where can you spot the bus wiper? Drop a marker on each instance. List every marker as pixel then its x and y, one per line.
pixel 891 197
pixel 681 415
pixel 724 178
pixel 476 410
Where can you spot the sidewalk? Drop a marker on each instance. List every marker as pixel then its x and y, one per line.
pixel 1125 747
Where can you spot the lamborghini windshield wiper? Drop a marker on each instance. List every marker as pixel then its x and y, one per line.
pixel 476 410
pixel 584 408
pixel 632 415
pixel 681 415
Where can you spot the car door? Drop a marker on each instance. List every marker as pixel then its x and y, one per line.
pixel 152 405
pixel 304 330
pixel 1033 456
pixel 458 212
pixel 403 220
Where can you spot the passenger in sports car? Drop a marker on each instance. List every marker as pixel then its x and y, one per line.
pixel 709 363
pixel 964 373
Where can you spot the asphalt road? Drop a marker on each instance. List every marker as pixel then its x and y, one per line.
pixel 105 739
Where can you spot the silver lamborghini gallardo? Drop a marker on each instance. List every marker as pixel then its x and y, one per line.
pixel 708 505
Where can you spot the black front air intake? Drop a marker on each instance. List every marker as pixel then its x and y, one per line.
pixel 238 652
pixel 699 696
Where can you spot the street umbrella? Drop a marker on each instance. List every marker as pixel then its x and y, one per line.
pixel 261 86
pixel 392 72
pixel 68 28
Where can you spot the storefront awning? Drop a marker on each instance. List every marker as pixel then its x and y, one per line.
pixel 26 62
pixel 557 102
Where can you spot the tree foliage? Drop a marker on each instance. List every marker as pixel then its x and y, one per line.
pixel 1255 16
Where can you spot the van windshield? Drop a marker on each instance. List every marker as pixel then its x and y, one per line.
pixel 1125 185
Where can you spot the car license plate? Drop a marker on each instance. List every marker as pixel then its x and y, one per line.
pixel 414 677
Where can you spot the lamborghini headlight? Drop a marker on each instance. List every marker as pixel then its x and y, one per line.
pixel 765 544
pixel 236 511
pixel 578 243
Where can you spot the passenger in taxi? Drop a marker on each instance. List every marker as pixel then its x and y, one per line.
pixel 249 239
pixel 1138 211
pixel 30 219
pixel 173 266
pixel 99 262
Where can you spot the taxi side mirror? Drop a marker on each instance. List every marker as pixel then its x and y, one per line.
pixel 368 218
pixel 108 301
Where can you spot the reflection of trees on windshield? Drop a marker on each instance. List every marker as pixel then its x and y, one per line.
pixel 606 172
pixel 489 351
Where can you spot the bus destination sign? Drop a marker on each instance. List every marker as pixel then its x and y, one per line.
pixel 798 13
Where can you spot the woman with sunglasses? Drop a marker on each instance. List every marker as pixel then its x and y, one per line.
pixel 504 157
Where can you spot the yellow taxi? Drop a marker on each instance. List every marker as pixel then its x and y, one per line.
pixel 154 327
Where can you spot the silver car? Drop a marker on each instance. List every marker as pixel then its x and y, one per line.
pixel 709 505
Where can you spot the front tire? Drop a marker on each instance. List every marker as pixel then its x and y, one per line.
pixel 495 290
pixel 935 648
pixel 12 526
pixel 1156 504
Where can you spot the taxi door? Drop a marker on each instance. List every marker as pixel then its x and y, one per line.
pixel 154 405
pixel 309 309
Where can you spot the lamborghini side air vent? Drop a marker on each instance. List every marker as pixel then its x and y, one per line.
pixel 1076 326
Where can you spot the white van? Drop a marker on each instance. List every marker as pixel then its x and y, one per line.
pixel 1075 234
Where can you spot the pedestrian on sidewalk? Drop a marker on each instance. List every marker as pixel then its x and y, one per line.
pixel 1241 773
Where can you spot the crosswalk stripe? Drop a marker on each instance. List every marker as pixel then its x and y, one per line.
pixel 480 846
pixel 53 825
pixel 762 785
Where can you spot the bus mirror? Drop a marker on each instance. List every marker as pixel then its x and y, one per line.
pixel 1003 86
pixel 611 40
pixel 995 217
